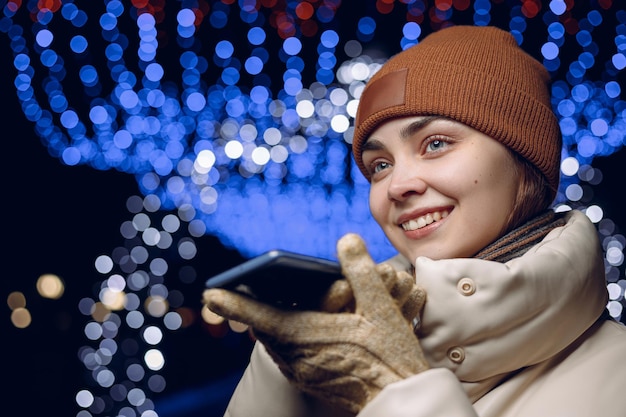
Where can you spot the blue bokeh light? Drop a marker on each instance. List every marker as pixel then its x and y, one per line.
pixel 256 36
pixel 329 38
pixel 558 7
pixel 367 25
pixel 411 30
pixel 224 49
pixel 159 120
pixel 292 46
pixel 550 50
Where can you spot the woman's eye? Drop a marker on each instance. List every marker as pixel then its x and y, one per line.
pixel 435 145
pixel 380 166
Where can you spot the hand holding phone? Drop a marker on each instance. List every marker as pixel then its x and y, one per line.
pixel 284 279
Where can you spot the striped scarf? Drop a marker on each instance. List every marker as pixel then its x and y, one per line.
pixel 519 240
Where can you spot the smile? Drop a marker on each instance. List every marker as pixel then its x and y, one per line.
pixel 424 220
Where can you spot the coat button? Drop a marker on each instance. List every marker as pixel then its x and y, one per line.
pixel 466 286
pixel 456 354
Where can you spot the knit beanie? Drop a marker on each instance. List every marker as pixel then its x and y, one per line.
pixel 475 75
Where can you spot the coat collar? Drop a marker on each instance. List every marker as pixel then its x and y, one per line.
pixel 518 313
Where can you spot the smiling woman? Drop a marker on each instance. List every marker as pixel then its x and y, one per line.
pixel 241 109
pixel 504 313
pixel 425 168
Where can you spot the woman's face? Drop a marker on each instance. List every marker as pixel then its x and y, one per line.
pixel 438 187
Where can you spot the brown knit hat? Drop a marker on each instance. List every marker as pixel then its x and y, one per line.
pixel 478 76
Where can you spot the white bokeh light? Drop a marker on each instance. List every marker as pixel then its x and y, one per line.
pixel 233 149
pixel 154 359
pixel 595 213
pixel 305 109
pixel 340 123
pixel 570 166
pixel 204 161
pixel 261 156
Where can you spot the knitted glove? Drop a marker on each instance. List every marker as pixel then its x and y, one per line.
pixel 343 358
pixel 400 284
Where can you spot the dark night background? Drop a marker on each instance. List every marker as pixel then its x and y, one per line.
pixel 58 219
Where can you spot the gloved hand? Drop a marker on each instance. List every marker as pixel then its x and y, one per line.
pixel 400 284
pixel 344 358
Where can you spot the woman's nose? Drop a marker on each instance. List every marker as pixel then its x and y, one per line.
pixel 406 181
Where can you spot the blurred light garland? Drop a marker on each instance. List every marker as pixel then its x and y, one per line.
pixel 245 134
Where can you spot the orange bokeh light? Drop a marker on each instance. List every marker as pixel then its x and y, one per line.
pixel 531 8
pixel 52 5
pixel 571 25
pixel 443 5
pixel 419 19
pixel 140 4
pixel 304 10
pixel 13 5
pixel 383 7
pixel 461 5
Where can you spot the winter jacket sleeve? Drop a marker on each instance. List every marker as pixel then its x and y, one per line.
pixel 264 391
pixel 435 392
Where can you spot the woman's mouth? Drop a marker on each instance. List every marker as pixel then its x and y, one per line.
pixel 424 220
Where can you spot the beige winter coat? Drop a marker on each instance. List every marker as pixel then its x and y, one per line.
pixel 519 339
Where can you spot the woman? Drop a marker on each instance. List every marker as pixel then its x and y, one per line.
pixel 462 151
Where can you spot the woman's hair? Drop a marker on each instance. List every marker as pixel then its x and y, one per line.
pixel 534 194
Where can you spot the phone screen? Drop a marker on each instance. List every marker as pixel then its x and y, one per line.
pixel 284 279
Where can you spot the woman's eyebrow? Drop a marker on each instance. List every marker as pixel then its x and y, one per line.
pixel 414 127
pixel 373 144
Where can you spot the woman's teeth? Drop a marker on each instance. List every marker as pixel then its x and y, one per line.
pixel 424 220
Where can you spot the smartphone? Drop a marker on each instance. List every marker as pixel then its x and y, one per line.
pixel 284 279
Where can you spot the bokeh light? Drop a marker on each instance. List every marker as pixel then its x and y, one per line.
pixel 50 286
